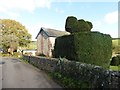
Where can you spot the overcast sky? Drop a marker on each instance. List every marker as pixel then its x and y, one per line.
pixel 35 14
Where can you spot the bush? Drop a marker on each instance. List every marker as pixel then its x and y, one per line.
pixel 93 48
pixel 115 61
pixel 5 54
pixel 41 54
pixel 28 53
pixel 68 82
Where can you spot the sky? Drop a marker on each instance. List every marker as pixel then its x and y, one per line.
pixel 34 14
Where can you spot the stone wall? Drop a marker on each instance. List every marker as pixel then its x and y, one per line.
pixel 95 75
pixel 43 63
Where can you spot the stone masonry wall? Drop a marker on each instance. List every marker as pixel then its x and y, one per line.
pixel 95 75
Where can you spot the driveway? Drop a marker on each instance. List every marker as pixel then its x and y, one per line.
pixel 17 74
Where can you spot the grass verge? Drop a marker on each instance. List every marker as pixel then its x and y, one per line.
pixel 115 68
pixel 23 60
pixel 68 82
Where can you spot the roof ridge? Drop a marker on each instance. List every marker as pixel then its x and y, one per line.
pixel 52 32
pixel 52 29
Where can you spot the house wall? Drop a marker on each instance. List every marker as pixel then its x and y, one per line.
pixel 52 43
pixel 39 44
pixel 44 44
pixel 52 40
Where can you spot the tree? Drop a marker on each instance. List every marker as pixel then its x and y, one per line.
pixel 10 41
pixel 73 25
pixel 13 34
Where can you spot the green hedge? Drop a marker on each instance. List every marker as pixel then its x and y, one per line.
pixel 115 61
pixel 94 48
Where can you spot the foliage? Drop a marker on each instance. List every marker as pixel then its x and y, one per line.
pixel 13 32
pixel 119 67
pixel 16 54
pixel 9 41
pixel 28 53
pixel 32 45
pixel 83 26
pixel 73 25
pixel 76 74
pixel 5 54
pixel 90 24
pixel 94 48
pixel 68 82
pixel 116 46
pixel 115 61
pixel 115 68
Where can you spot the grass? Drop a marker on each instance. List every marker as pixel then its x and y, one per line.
pixel 116 46
pixel 115 68
pixel 116 41
pixel 68 82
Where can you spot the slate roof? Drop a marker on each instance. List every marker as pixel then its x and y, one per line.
pixel 52 32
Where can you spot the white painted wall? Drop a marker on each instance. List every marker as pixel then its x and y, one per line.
pixel 30 51
pixel 52 40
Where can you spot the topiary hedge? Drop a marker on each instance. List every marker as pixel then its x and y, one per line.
pixel 73 25
pixel 93 48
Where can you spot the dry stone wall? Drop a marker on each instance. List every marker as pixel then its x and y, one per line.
pixel 95 75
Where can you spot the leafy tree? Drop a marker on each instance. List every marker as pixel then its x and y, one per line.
pixel 9 41
pixel 73 25
pixel 13 34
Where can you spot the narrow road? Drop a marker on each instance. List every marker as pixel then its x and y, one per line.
pixel 17 74
pixel 0 73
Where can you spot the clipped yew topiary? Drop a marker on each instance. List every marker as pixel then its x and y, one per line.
pixel 73 25
pixel 93 48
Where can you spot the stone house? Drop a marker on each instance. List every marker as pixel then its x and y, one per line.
pixel 46 40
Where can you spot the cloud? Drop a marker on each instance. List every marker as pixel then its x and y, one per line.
pixel 111 18
pixel 17 4
pixel 23 5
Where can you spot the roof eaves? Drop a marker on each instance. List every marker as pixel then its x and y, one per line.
pixel 40 32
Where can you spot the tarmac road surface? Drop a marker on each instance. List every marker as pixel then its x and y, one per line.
pixel 17 74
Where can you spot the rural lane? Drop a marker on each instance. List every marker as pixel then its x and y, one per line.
pixel 17 74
